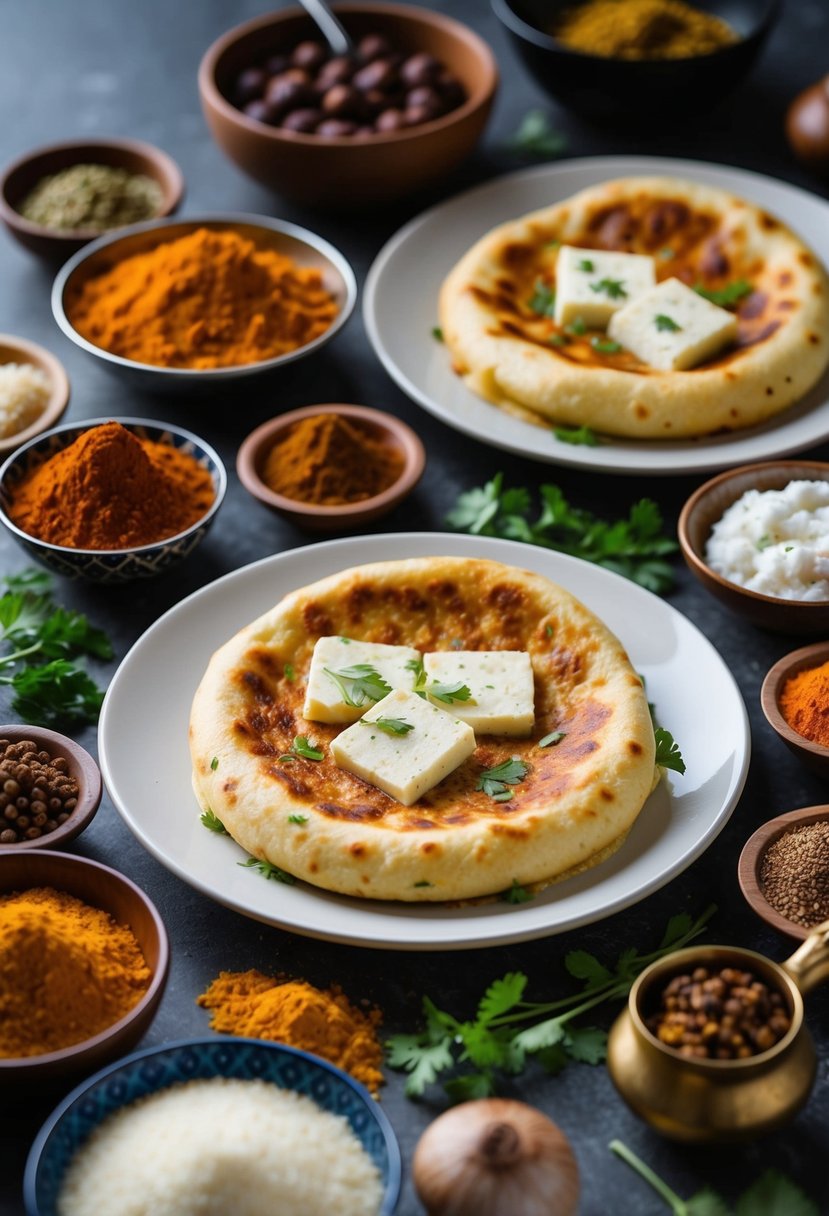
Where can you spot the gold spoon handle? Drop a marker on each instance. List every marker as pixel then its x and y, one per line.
pixel 809 965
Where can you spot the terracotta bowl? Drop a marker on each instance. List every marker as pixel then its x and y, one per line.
pixel 375 423
pixel 23 174
pixel 18 350
pixel 751 861
pixel 707 505
pixel 81 766
pixel 341 172
pixel 640 90
pixel 104 888
pixel 814 755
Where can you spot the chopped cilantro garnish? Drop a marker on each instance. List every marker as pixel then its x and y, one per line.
pixel 552 739
pixel 359 683
pixel 516 894
pixel 666 324
pixel 288 672
pixel 726 296
pixel 214 764
pixel 297 819
pixel 213 823
pixel 603 347
pixel 437 333
pixel 612 288
pixel 301 746
pixel 586 265
pixel 389 726
pixel 576 434
pixel 449 693
pixel 494 781
pixel 543 299
pixel 268 870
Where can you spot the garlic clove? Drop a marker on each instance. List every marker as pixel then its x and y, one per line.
pixel 495 1157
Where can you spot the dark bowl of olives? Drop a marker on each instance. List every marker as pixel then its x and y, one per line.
pixel 394 115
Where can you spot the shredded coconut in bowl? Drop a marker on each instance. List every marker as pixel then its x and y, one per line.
pixel 24 394
pixel 776 542
pixel 222 1147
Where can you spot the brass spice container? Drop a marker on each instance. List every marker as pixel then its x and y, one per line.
pixel 704 1101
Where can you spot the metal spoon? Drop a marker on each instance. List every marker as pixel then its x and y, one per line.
pixel 330 26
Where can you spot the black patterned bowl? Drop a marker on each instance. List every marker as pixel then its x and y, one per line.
pixel 111 565
pixel 147 1072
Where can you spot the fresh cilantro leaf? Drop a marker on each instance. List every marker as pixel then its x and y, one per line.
pixel 30 579
pixel 585 966
pixel 437 333
pixel 300 819
pixel 213 823
pixel 587 1044
pixel 543 1034
pixel 543 299
pixel 289 673
pixel 472 1085
pixel 423 883
pixel 214 764
pixel 517 894
pixel 390 726
pixel 494 781
pixel 726 296
pixel 676 928
pixel 554 737
pixel 502 995
pixel 576 434
pixel 706 1203
pixel 557 339
pixel 552 1059
pixel 773 1194
pixel 668 754
pixel 54 694
pixel 666 324
pixel 267 870
pixel 449 693
pixel 605 346
pixel 577 327
pixel 614 289
pixel 359 683
pixel 421 1057
pixel 586 265
pixel 536 137
pixel 302 746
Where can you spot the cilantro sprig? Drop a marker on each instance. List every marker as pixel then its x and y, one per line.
pixel 543 299
pixel 268 870
pixel 614 289
pixel 507 1030
pixel 359 683
pixel 450 693
pixel 496 781
pixel 726 296
pixel 772 1194
pixel 302 746
pixel 668 754
pixel 666 324
pixel 389 726
pixel 213 823
pixel 635 547
pixel 43 641
pixel 536 137
pixel 583 435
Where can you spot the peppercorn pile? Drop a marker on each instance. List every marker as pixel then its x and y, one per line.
pixel 37 794
pixel 719 1015
pixel 794 874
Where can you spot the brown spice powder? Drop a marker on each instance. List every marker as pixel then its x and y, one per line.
pixel 794 875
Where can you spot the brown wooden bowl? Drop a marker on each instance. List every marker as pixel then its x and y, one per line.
pixel 751 861
pixel 104 888
pixel 19 350
pixel 814 755
pixel 338 172
pixel 81 766
pixel 707 505
pixel 376 423
pixel 23 174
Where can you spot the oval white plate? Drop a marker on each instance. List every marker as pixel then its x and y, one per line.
pixel 146 764
pixel 400 310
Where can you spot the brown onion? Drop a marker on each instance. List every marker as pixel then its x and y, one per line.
pixel 494 1157
pixel 807 126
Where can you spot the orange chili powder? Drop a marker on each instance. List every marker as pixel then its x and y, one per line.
pixel 328 460
pixel 804 703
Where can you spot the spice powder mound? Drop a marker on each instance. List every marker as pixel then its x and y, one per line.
pixel 330 461
pixel 794 874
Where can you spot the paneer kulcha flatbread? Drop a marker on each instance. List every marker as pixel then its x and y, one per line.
pixel 323 824
pixel 498 318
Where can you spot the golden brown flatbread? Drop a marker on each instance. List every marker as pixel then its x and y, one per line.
pixel 699 234
pixel 578 798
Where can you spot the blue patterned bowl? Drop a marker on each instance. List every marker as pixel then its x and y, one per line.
pixel 146 1072
pixel 110 565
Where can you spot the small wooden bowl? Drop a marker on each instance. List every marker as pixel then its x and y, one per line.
pixel 376 423
pixel 81 766
pixel 814 755
pixel 708 504
pixel 23 174
pixel 19 350
pixel 103 888
pixel 751 862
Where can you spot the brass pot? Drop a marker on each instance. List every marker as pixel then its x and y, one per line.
pixel 701 1101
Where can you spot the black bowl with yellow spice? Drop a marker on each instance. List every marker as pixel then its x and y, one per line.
pixel 648 77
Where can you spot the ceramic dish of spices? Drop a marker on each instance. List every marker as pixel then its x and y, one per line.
pixel 34 391
pixel 754 537
pixel 86 946
pixel 50 788
pixel 784 871
pixel 330 468
pixel 638 60
pixel 794 697
pixel 306 1134
pixel 56 199
pixel 111 500
pixel 288 292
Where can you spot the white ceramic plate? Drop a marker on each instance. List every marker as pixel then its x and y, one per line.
pixel 400 308
pixel 146 766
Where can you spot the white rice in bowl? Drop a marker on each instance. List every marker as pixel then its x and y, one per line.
pixel 775 542
pixel 219 1147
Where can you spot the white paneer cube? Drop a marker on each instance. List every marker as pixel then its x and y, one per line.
pixel 672 327
pixel 592 284
pixel 414 746
pixel 501 684
pixel 324 696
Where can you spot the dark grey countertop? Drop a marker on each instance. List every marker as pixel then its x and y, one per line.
pixel 94 69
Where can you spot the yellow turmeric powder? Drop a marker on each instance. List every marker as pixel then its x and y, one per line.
pixel 325 1023
pixel 641 29
pixel 67 972
pixel 209 299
